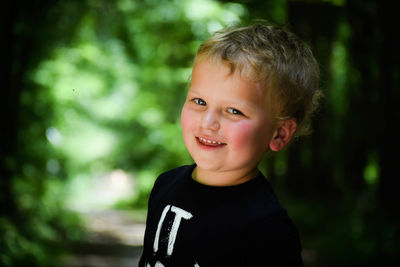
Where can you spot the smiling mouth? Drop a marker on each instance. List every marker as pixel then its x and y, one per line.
pixel 208 142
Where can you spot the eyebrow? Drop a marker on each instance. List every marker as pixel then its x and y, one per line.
pixel 246 106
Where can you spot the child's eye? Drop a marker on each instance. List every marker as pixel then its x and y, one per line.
pixel 199 101
pixel 234 111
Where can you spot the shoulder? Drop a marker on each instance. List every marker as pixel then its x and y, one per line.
pixel 278 226
pixel 259 200
pixel 274 222
pixel 273 239
pixel 269 235
pixel 167 180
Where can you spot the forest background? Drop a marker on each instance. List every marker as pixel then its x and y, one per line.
pixel 93 89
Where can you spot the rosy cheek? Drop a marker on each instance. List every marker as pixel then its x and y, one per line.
pixel 240 133
pixel 184 118
pixel 187 119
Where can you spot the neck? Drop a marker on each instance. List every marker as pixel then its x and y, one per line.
pixel 225 178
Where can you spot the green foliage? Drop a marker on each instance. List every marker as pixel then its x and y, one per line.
pixel 47 228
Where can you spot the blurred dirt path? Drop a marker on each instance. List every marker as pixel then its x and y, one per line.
pixel 115 239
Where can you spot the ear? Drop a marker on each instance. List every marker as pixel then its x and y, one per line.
pixel 283 134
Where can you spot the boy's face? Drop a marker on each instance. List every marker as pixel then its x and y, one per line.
pixel 225 121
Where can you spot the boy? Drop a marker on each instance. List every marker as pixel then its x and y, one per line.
pixel 252 89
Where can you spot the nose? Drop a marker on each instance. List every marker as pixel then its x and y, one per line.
pixel 210 120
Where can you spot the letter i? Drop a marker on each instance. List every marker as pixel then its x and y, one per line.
pixel 164 213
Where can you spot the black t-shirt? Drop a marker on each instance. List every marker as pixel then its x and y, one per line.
pixel 191 224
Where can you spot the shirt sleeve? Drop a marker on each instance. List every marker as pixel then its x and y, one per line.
pixel 272 241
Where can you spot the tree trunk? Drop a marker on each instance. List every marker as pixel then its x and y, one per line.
pixel 9 109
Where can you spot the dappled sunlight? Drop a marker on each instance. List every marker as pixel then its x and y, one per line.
pixel 100 191
pixel 115 225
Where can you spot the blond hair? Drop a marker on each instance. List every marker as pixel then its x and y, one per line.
pixel 278 60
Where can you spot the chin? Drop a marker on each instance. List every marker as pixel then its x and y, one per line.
pixel 207 164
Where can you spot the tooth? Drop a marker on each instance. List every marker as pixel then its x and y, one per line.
pixel 209 141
